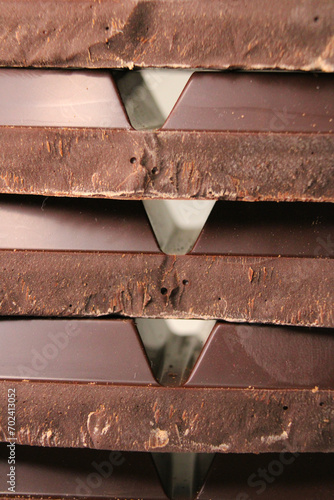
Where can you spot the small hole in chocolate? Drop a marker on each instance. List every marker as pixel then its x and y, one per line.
pixel 316 19
pixel 185 282
pixel 107 28
pixel 321 403
pixel 70 305
pixel 154 170
pixel 219 298
pixel 133 160
pixel 285 408
pixel 163 291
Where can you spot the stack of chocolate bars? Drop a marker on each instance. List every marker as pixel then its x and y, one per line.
pixel 86 411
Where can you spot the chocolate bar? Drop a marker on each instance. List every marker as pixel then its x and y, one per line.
pixel 290 35
pixel 262 136
pixel 70 473
pixel 270 476
pixel 268 263
pixel 280 379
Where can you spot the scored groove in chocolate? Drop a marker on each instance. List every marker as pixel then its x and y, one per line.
pixel 290 34
pixel 110 351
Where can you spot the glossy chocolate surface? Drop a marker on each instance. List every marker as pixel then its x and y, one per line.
pixel 268 228
pixel 74 224
pixel 270 476
pixel 266 357
pixel 255 102
pixel 73 350
pixel 60 99
pixel 72 473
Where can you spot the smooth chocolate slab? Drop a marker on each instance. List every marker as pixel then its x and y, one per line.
pixel 285 229
pixel 70 473
pixel 255 102
pixel 35 223
pixel 265 356
pixel 87 351
pixel 60 98
pixel 290 34
pixel 270 476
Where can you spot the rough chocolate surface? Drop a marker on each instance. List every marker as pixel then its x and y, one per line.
pixel 263 262
pixel 292 291
pixel 167 164
pixel 170 419
pixel 287 34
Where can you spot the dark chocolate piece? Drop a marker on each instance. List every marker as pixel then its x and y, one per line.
pixel 287 35
pixel 59 473
pixel 99 267
pixel 255 102
pixel 265 356
pixel 110 351
pixel 60 99
pixel 270 476
pixel 285 409
pixel 285 229
pixel 170 419
pixel 278 145
pixel 86 351
pixel 28 222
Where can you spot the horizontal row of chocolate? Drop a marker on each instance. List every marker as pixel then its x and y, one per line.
pixel 68 473
pixel 96 374
pixel 263 262
pixel 292 34
pixel 246 136
pixel 110 351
